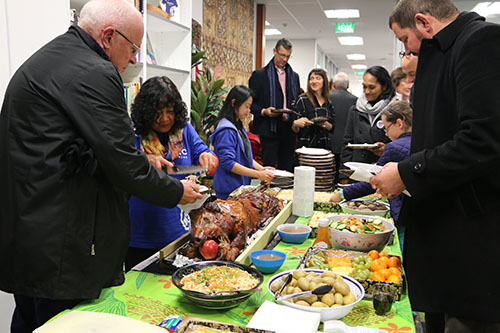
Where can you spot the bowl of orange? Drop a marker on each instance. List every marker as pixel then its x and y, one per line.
pixel 385 268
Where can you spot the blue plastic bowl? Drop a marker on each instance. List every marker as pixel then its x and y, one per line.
pixel 267 266
pixel 299 236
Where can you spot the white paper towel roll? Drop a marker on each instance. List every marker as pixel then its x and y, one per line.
pixel 303 191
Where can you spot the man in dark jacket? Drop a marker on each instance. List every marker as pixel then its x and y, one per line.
pixel 342 101
pixel 451 171
pixel 275 86
pixel 68 162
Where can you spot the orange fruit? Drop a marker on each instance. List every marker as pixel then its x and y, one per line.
pixel 394 271
pixel 394 262
pixel 393 278
pixel 385 260
pixel 385 273
pixel 377 276
pixel 377 265
pixel 383 254
pixel 373 254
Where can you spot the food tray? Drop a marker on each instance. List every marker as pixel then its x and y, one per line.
pixel 169 253
pixel 395 289
pixel 190 322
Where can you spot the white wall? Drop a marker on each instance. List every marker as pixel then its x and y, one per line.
pixel 198 11
pixel 303 57
pixel 25 26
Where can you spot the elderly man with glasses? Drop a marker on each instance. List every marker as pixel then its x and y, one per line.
pixel 68 164
pixel 275 86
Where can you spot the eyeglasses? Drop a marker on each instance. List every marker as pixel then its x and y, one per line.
pixel 285 56
pixel 387 128
pixel 136 47
pixel 403 54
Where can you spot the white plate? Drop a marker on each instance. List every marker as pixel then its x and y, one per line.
pixel 312 151
pixel 198 203
pixel 361 145
pixel 282 173
pixel 372 168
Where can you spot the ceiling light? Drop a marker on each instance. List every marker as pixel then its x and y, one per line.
pixel 356 56
pixel 351 40
pixel 487 8
pixel 359 66
pixel 342 13
pixel 269 32
pixel 267 23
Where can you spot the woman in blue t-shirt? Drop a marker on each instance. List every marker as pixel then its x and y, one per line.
pixel 232 146
pixel 163 134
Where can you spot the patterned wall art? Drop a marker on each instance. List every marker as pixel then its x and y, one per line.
pixel 228 33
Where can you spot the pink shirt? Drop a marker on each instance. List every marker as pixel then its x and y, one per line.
pixel 282 80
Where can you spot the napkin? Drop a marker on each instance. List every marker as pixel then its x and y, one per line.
pixel 284 319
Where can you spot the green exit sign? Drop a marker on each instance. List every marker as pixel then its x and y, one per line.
pixel 360 73
pixel 344 28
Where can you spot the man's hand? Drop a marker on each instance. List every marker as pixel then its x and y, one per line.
pixel 268 112
pixel 208 161
pixel 388 182
pixel 158 161
pixel 379 150
pixel 191 192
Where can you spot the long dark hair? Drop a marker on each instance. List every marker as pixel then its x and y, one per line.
pixel 325 91
pixel 383 77
pixel 240 94
pixel 155 94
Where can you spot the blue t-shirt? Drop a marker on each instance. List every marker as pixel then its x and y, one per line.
pixel 153 227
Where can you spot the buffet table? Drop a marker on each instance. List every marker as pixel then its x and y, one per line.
pixel 152 297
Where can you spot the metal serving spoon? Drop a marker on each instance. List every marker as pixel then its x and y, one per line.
pixel 321 290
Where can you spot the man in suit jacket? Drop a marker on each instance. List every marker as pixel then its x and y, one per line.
pixel 342 100
pixel 451 171
pixel 275 86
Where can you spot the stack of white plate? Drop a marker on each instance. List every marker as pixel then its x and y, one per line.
pixel 282 179
pixel 324 162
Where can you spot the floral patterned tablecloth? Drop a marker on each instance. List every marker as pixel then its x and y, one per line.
pixel 152 297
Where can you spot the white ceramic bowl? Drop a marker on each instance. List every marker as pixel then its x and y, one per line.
pixel 361 242
pixel 326 313
pixel 348 210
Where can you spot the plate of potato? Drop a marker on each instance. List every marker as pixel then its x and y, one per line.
pixel 336 304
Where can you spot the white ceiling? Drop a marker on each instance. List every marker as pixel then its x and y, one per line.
pixel 305 19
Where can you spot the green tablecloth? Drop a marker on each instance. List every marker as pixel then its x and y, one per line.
pixel 152 297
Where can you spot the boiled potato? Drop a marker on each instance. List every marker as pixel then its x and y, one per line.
pixel 328 299
pixel 309 298
pixel 303 303
pixel 319 305
pixel 341 287
pixel 303 284
pixel 297 290
pixel 339 298
pixel 317 279
pixel 329 273
pixel 289 290
pixel 349 298
pixel 299 273
pixel 313 285
pixel 328 280
pixel 293 283
pixel 276 285
pixel 335 305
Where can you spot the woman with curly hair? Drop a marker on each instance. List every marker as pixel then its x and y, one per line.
pixel 164 135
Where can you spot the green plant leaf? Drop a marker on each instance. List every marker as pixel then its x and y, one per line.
pixel 202 103
pixel 195 120
pixel 198 57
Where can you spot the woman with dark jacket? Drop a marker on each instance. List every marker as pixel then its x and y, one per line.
pixel 163 134
pixel 311 105
pixel 397 120
pixel 364 123
pixel 232 146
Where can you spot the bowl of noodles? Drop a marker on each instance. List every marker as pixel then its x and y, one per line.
pixel 217 284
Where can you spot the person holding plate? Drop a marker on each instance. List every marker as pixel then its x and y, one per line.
pixel 316 117
pixel 163 134
pixel 397 120
pixel 232 146
pixel 364 123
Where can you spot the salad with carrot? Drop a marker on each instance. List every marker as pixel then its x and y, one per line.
pixel 359 225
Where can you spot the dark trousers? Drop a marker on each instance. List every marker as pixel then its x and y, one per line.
pixel 438 322
pixel 136 255
pixel 32 312
pixel 279 151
